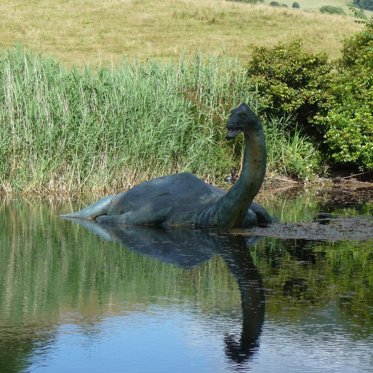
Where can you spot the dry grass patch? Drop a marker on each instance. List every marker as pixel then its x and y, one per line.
pixel 102 32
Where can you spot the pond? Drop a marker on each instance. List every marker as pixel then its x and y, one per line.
pixel 76 298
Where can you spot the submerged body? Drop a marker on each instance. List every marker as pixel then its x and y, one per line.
pixel 185 200
pixel 175 200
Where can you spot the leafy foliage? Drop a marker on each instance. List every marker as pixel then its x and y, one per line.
pixel 276 4
pixel 332 9
pixel 331 102
pixel 349 121
pixel 70 131
pixel 290 81
pixel 364 4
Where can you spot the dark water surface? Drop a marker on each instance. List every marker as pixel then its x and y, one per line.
pixel 140 300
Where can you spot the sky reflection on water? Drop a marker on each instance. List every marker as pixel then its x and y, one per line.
pixel 173 340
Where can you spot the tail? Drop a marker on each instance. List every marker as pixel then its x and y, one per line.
pixel 91 212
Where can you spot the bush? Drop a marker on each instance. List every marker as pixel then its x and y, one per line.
pixel 357 51
pixel 290 82
pixel 364 4
pixel 277 4
pixel 333 103
pixel 71 131
pixel 332 9
pixel 295 5
pixel 349 120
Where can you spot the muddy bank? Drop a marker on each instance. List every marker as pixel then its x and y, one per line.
pixel 332 195
pixel 332 191
pixel 357 228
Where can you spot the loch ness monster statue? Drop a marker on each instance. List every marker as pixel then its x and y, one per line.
pixel 183 200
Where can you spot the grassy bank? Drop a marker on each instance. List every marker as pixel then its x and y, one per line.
pixel 103 32
pixel 111 124
pixel 70 131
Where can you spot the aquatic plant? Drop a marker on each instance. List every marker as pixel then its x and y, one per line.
pixel 70 130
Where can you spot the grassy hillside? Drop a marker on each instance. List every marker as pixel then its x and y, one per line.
pixel 105 31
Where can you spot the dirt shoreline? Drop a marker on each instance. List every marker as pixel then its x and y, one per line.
pixel 345 192
pixel 356 228
pixel 273 185
pixel 279 184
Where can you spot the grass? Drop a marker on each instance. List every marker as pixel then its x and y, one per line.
pixel 88 32
pixel 68 131
pixel 122 106
pixel 291 155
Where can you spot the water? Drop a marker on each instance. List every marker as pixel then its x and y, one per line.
pixel 138 300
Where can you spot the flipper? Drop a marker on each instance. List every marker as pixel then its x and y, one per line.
pixel 262 216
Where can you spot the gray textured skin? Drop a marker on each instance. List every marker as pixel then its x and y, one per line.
pixel 184 200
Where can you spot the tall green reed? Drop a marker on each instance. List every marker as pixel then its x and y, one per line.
pixel 71 131
pixel 289 152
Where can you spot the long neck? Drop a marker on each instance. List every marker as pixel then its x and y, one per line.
pixel 231 209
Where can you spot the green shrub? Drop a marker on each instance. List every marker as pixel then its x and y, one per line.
pixel 332 9
pixel 357 51
pixel 349 120
pixel 295 5
pixel 277 4
pixel 364 4
pixel 290 81
pixel 333 103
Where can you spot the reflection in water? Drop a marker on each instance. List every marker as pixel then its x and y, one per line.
pixel 179 301
pixel 188 248
pixel 14 351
